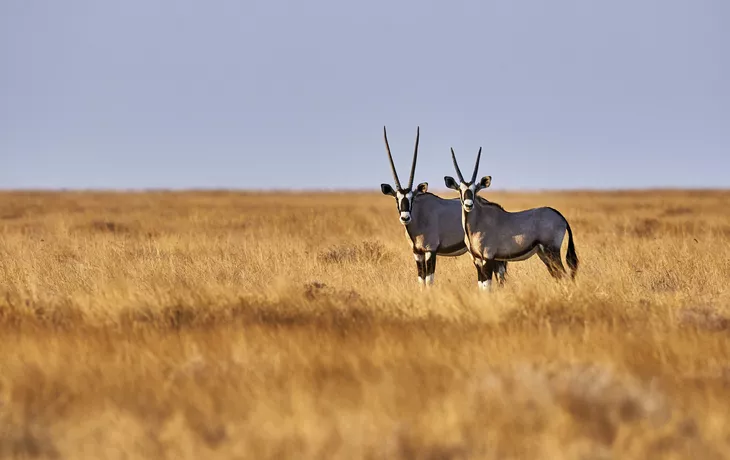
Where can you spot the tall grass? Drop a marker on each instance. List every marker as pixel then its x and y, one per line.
pixel 273 325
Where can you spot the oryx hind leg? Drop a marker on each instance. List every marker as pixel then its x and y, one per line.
pixel 550 256
pixel 500 271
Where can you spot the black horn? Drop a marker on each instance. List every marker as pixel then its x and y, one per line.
pixel 476 166
pixel 415 155
pixel 390 157
pixel 456 165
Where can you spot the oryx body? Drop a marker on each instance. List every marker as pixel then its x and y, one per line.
pixel 493 234
pixel 435 229
pixel 432 224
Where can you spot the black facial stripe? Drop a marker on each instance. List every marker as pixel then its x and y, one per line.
pixel 405 205
pixel 468 195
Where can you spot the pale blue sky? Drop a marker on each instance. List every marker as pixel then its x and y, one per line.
pixel 279 94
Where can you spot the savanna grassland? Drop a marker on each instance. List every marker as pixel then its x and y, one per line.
pixel 274 325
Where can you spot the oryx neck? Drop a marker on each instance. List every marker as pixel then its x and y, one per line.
pixel 487 207
pixel 482 210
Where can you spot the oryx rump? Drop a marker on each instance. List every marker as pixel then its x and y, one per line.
pixel 494 234
pixel 432 224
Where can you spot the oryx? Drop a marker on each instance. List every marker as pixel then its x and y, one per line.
pixel 432 224
pixel 493 234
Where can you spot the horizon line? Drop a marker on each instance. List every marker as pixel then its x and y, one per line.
pixel 325 190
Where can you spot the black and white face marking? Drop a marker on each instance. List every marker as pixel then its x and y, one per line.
pixel 403 196
pixel 404 200
pixel 467 190
pixel 467 193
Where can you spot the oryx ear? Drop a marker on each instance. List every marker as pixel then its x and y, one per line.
pixel 387 189
pixel 450 183
pixel 485 182
pixel 422 187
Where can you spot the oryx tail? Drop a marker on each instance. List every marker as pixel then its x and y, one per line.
pixel 571 257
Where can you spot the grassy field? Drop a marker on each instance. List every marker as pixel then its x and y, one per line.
pixel 273 325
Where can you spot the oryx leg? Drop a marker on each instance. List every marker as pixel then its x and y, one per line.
pixel 487 272
pixel 421 266
pixel 550 256
pixel 430 266
pixel 478 265
pixel 480 273
pixel 500 270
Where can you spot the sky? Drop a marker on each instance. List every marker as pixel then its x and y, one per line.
pixel 291 94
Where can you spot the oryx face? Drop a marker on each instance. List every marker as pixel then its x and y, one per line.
pixel 467 189
pixel 404 199
pixel 403 195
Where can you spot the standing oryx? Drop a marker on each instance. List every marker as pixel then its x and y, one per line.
pixel 494 234
pixel 432 223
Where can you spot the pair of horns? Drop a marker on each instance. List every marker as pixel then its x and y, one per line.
pixel 413 165
pixel 476 166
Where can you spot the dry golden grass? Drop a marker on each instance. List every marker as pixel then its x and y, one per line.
pixel 273 325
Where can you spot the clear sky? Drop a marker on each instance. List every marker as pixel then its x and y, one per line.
pixel 294 94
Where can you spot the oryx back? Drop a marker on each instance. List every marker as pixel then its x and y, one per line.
pixel 496 233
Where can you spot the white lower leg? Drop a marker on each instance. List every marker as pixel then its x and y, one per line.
pixel 485 285
pixel 419 260
pixel 427 257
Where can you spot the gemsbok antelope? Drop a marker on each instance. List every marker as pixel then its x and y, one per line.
pixel 432 223
pixel 494 234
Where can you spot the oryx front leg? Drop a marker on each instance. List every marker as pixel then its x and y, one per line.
pixel 421 266
pixel 480 273
pixel 430 265
pixel 487 272
pixel 484 274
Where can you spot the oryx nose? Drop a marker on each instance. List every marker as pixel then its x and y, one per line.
pixel 468 203
pixel 405 217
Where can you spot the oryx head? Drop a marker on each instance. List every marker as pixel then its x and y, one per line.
pixel 403 195
pixel 467 190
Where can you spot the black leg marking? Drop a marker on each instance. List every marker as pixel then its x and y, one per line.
pixel 500 271
pixel 421 266
pixel 430 267
pixel 487 272
pixel 480 272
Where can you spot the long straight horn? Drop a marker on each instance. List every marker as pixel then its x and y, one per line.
pixel 390 157
pixel 415 155
pixel 476 166
pixel 456 165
